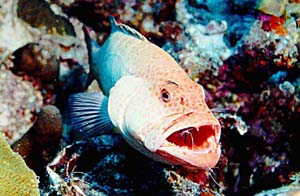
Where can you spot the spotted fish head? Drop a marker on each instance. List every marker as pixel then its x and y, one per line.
pixel 166 121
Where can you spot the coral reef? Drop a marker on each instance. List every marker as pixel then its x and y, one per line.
pixel 41 143
pixel 8 25
pixel 244 53
pixel 36 61
pixel 261 91
pixel 201 46
pixel 275 8
pixel 39 14
pixel 42 62
pixel 19 101
pixel 16 179
pixel 292 189
pixel 112 167
pixel 286 190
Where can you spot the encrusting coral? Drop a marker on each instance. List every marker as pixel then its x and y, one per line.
pixel 40 143
pixel 19 102
pixel 16 179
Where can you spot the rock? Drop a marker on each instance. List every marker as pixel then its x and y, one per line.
pixel 37 61
pixel 202 47
pixel 287 88
pixel 39 14
pixel 105 165
pixel 11 27
pixel 108 165
pixel 292 189
pixel 272 7
pixel 292 9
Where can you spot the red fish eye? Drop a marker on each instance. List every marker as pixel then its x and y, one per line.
pixel 165 95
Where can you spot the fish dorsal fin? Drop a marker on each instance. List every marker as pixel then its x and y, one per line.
pixel 115 26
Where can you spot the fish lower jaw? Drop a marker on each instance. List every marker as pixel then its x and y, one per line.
pixel 196 158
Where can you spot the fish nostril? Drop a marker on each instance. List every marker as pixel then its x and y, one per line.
pixel 182 101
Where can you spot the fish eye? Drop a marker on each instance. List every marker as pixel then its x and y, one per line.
pixel 165 95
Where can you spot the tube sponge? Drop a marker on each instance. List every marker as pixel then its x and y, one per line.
pixel 16 179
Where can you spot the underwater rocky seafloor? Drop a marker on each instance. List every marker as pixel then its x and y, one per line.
pixel 244 53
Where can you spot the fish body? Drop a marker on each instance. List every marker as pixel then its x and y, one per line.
pixel 126 54
pixel 154 104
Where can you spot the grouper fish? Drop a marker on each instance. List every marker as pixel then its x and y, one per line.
pixel 149 99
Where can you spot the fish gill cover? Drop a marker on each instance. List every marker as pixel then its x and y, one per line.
pixel 244 53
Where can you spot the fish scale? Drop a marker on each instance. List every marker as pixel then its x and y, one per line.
pixel 144 59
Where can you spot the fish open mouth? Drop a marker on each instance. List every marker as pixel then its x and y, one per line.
pixel 203 137
pixel 193 147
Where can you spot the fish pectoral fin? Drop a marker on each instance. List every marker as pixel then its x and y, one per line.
pixel 87 114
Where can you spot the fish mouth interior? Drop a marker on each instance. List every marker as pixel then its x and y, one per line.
pixel 194 138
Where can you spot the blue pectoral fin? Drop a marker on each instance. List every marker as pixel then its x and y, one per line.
pixel 87 114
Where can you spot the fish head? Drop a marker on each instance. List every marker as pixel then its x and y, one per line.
pixel 188 133
pixel 167 121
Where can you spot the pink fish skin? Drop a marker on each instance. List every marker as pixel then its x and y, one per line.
pixel 152 101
